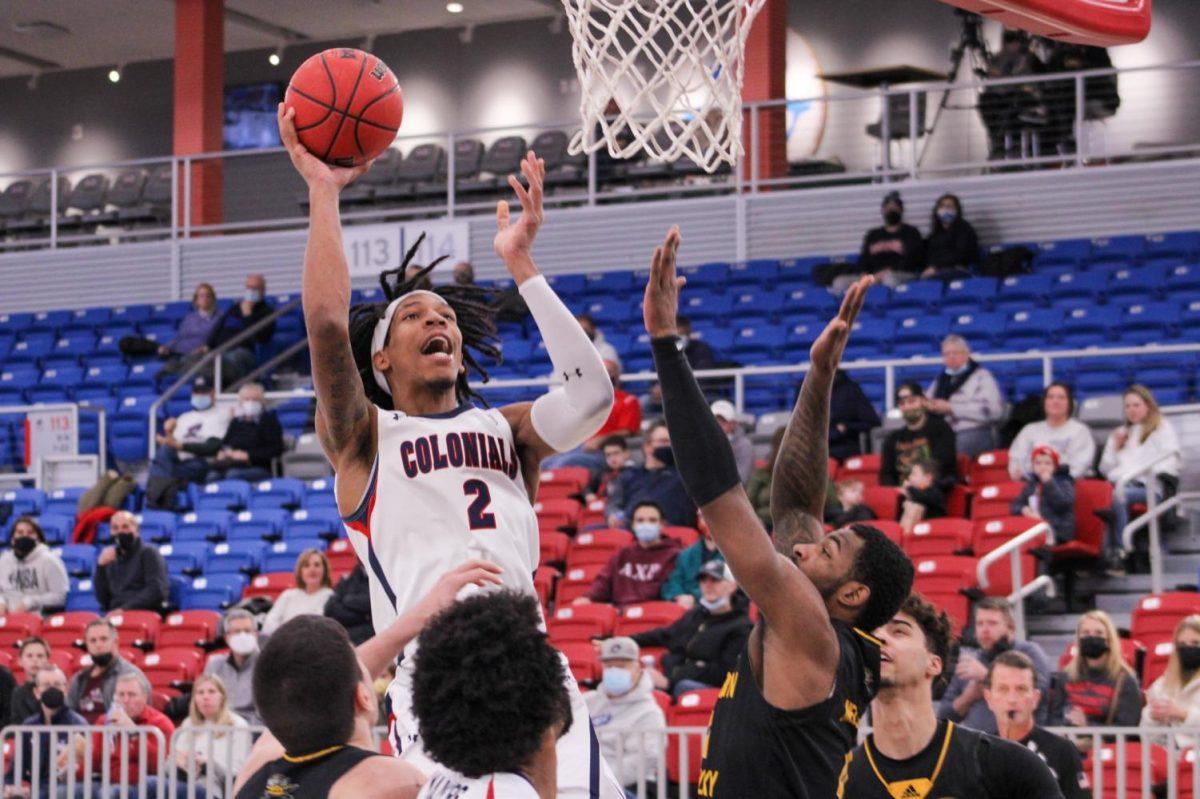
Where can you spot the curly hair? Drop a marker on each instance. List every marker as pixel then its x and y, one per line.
pixel 939 633
pixel 884 568
pixel 487 684
pixel 472 306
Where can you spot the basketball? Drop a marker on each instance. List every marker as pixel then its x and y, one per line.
pixel 348 106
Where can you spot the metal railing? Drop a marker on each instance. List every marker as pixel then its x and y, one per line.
pixel 80 760
pixel 1014 549
pixel 1154 512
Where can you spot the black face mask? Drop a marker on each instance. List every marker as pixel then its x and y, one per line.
pixel 124 541
pixel 1189 657
pixel 103 660
pixel 892 217
pixel 23 546
pixel 52 699
pixel 1093 646
pixel 664 455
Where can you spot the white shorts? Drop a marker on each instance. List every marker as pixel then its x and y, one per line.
pixel 582 771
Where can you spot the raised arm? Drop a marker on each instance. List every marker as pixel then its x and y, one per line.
pixel 802 468
pixel 345 420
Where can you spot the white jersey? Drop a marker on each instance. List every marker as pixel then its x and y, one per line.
pixel 446 784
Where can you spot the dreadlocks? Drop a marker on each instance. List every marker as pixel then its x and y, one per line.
pixel 472 306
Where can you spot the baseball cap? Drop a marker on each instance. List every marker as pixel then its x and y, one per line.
pixel 893 197
pixel 202 384
pixel 724 409
pixel 1047 450
pixel 716 569
pixel 620 648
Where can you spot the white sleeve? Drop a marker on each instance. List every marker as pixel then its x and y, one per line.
pixel 1083 451
pixel 569 414
pixel 1018 455
pixel 279 612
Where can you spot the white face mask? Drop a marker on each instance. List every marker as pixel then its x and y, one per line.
pixel 249 409
pixel 242 643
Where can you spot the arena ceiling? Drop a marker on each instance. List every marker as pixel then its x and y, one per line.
pixel 41 35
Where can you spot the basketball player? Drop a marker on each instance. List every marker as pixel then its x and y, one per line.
pixel 489 694
pixel 787 718
pixel 426 480
pixel 910 754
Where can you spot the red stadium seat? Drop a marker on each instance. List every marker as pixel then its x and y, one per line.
pixel 561 483
pixel 663 700
pixel 16 627
pixel 993 501
pixel 596 546
pixel 883 500
pixel 593 515
pixel 860 467
pixel 989 468
pixel 584 661
pixel 581 622
pixel 647 616
pixel 543 583
pixel 8 659
pixel 575 583
pixel 270 585
pixel 694 709
pixel 941 580
pixel 171 668
pixel 341 556
pixel 558 514
pixel 1090 496
pixel 65 629
pixel 137 627
pixel 937 537
pixel 686 536
pixel 958 501
pixel 1110 763
pixel 189 628
pixel 553 546
pixel 1155 616
pixel 891 529
pixel 990 534
pixel 655 652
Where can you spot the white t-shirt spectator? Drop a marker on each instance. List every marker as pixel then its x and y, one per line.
pixel 196 427
pixel 38 581
pixel 295 602
pixel 1137 454
pixel 1072 440
pixel 224 751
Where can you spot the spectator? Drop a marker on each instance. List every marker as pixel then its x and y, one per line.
pixel 464 274
pixel 743 449
pixel 1011 691
pixel 683 586
pixel 703 646
pixel 625 419
pixel 847 504
pixel 314 587
pixel 203 750
pixel 758 489
pixel 1049 495
pixel 50 710
pixel 191 337
pixel 995 633
pixel 922 498
pixel 350 605
pixel 1069 437
pixel 131 708
pixel 894 253
pixel 129 574
pixel 32 578
pixel 424 283
pixel 636 573
pixel 252 441
pixel 34 656
pixel 236 670
pixel 185 445
pixel 850 415
pixel 1129 450
pixel 625 703
pixel 656 481
pixel 607 351
pixel 1102 691
pixel 1173 700
pixel 616 459
pixel 952 248
pixel 923 437
pixel 92 687
pixel 240 359
pixel 967 396
pixel 699 354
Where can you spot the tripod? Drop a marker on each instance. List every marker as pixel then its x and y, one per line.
pixel 973 49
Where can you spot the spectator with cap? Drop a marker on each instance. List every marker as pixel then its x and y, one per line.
pixel 656 481
pixel 625 419
pixel 850 415
pixel 239 360
pixel 1069 437
pixel 704 644
pixel 33 578
pixel 50 710
pixel 924 437
pixel 893 252
pixel 253 440
pixel 1049 495
pixel 33 655
pixel 636 572
pixel 93 686
pixel 186 444
pixel 683 586
pixel 236 669
pixel 967 396
pixel 628 721
pixel 952 247
pixel 743 448
pixel 130 575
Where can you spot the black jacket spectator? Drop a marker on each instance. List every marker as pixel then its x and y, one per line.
pixel 261 439
pixel 933 441
pixel 850 415
pixel 350 605
pixel 136 580
pixel 901 250
pixel 233 321
pixel 663 487
pixel 701 646
pixel 952 244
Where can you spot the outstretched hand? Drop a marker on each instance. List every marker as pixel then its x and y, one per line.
pixel 514 240
pixel 826 351
pixel 474 572
pixel 312 169
pixel 660 307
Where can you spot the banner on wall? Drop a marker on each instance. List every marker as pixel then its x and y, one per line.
pixel 370 249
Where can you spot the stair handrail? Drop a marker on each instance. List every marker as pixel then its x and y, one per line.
pixel 1154 512
pixel 1012 549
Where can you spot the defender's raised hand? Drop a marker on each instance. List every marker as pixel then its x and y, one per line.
pixel 313 169
pixel 826 351
pixel 660 307
pixel 514 240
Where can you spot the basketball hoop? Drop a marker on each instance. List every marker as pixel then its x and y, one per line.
pixel 664 76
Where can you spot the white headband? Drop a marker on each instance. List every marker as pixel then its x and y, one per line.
pixel 381 331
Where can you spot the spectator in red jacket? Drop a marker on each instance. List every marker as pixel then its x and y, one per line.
pixel 636 573
pixel 625 419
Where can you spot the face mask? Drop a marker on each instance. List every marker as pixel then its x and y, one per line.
pixel 252 296
pixel 712 605
pixel 646 532
pixel 103 660
pixel 616 682
pixel 664 455
pixel 52 699
pixel 249 409
pixel 1189 657
pixel 23 546
pixel 913 414
pixel 892 217
pixel 202 402
pixel 947 217
pixel 1000 647
pixel 242 643
pixel 124 541
pixel 1093 646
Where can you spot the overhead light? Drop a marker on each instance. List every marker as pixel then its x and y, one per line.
pixel 274 58
pixel 454 8
pixel 114 75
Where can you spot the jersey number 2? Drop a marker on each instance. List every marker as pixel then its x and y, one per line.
pixel 478 517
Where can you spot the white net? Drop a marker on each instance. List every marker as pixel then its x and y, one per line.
pixel 661 75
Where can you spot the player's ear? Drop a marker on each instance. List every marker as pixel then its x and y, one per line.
pixel 935 666
pixel 380 360
pixel 854 594
pixel 364 699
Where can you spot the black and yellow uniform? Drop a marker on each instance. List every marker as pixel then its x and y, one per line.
pixel 757 751
pixel 1064 761
pixel 956 763
pixel 304 777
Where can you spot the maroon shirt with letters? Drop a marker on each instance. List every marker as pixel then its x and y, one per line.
pixel 635 573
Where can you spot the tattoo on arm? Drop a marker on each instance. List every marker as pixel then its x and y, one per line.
pixel 340 398
pixel 798 483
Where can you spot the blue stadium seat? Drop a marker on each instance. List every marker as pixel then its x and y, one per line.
pixel 617 283
pixel 319 494
pixel 762 342
pixel 203 525
pixel 235 557
pixel 1150 322
pixel 82 597
pixel 57 529
pixel 128 439
pixel 213 593
pixel 282 555
pixel 568 287
pixel 979 328
pixel 257 525
pixel 1089 325
pixel 758 273
pixel 15 322
pixel 1066 252
pixel 1032 328
pixel 61 378
pixel 221 495
pixel 758 301
pixel 50 320
pixel 1183 278
pixel 91 317
pixel 917 294
pixel 703 305
pixel 141 378
pixel 1185 245
pixel 1118 249
pixel 1023 291
pixel 47 394
pixel 66 494
pixel 79 559
pixel 75 345
pixel 25 501
pixel 30 350
pixel 184 557
pixel 107 376
pixel 280 492
pixel 972 295
pixel 611 311
pixel 712 276
pixel 158 525
pixel 135 407
pixel 1132 281
pixel 721 340
pixel 1080 285
pixel 313 522
pixel 811 301
pixel 878 300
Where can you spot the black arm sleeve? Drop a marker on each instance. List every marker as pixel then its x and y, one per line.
pixel 204 449
pixel 703 454
pixel 1010 771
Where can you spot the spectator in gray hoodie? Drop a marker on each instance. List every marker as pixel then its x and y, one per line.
pixel 628 721
pixel 32 577
pixel 967 396
pixel 129 574
pixel 91 691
